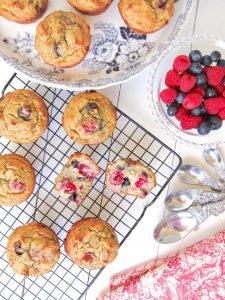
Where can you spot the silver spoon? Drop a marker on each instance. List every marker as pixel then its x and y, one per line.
pixel 184 199
pixel 194 175
pixel 214 159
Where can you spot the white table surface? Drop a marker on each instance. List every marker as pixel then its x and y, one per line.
pixel 206 17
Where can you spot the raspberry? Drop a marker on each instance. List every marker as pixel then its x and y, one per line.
pixel 198 90
pixel 116 177
pixel 220 88
pixel 140 182
pixel 187 82
pixel 68 187
pixel 168 95
pixel 221 114
pixel 86 171
pixel 18 186
pixel 205 70
pixel 214 105
pixel 90 125
pixel 181 112
pixel 172 79
pixel 192 101
pixel 181 63
pixel 190 122
pixel 215 75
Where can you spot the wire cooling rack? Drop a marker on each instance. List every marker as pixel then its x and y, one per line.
pixel 48 155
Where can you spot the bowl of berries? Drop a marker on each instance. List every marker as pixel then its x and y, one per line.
pixel 186 90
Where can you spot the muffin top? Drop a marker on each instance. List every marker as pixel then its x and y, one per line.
pixel 90 7
pixel 62 39
pixel 91 243
pixel 23 116
pixel 22 11
pixel 32 249
pixel 89 118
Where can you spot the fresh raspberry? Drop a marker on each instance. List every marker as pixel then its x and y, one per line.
pixel 221 114
pixel 86 171
pixel 192 101
pixel 168 95
pixel 190 122
pixel 181 112
pixel 215 75
pixel 205 70
pixel 224 94
pixel 172 79
pixel 140 182
pixel 198 90
pixel 116 177
pixel 187 82
pixel 18 186
pixel 220 88
pixel 181 63
pixel 214 105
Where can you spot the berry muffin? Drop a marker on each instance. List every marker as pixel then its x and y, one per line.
pixel 17 179
pixel 76 178
pixel 129 177
pixel 33 249
pixel 90 7
pixel 89 118
pixel 91 243
pixel 23 116
pixel 22 11
pixel 63 39
pixel 146 16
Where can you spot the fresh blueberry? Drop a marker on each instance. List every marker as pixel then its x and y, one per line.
pixel 215 122
pixel 204 127
pixel 73 197
pixel 201 79
pixel 210 92
pixel 203 109
pixel 172 110
pixel 206 60
pixel 195 55
pixel 126 181
pixel 221 63
pixel 215 56
pixel 74 163
pixel 196 111
pixel 195 68
pixel 180 97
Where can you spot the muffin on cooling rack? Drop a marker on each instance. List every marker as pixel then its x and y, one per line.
pixel 23 116
pixel 63 39
pixel 89 118
pixel 91 243
pixel 22 11
pixel 76 178
pixel 129 177
pixel 90 7
pixel 17 179
pixel 33 249
pixel 146 16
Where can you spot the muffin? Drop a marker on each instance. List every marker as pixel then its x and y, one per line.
pixel 63 39
pixel 89 118
pixel 22 11
pixel 76 178
pixel 32 249
pixel 23 116
pixel 17 179
pixel 146 16
pixel 129 177
pixel 90 7
pixel 91 243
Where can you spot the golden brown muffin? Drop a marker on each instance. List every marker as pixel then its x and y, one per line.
pixel 23 116
pixel 22 11
pixel 90 7
pixel 33 249
pixel 146 16
pixel 63 39
pixel 130 177
pixel 89 118
pixel 76 178
pixel 17 179
pixel 91 243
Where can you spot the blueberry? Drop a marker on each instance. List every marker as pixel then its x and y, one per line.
pixel 24 113
pixel 172 110
pixel 204 127
pixel 195 68
pixel 203 109
pixel 210 92
pixel 18 248
pixel 196 111
pixel 195 55
pixel 73 197
pixel 180 97
pixel 126 181
pixel 215 56
pixel 206 60
pixel 74 163
pixel 215 122
pixel 221 63
pixel 201 79
pixel 91 105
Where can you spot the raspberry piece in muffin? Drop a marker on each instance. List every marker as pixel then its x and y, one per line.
pixel 130 177
pixel 76 178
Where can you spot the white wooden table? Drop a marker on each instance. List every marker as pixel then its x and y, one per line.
pixel 206 17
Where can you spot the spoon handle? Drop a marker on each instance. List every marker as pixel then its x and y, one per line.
pixel 202 197
pixel 221 171
pixel 214 184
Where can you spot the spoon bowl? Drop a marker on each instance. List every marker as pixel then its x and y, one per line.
pixel 191 174
pixel 212 157
pixel 179 201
